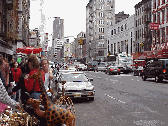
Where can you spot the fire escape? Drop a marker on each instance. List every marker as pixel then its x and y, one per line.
pixel 147 32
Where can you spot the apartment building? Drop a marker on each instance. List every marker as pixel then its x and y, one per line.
pixel 100 14
pixel 121 36
pixel 160 17
pixel 143 35
pixel 14 26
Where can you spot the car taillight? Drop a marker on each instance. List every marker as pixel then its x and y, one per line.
pixel 118 69
pixel 90 66
pixel 164 71
pixel 142 70
pixel 111 69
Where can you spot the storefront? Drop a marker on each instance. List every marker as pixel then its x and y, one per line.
pixel 162 53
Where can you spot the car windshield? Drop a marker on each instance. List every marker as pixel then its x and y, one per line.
pixel 74 77
pixel 113 67
pixel 101 64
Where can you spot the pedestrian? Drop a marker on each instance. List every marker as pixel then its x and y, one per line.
pixel 48 75
pixel 4 97
pixel 31 84
pixel 21 85
pixel 12 63
pixel 5 71
pixel 16 74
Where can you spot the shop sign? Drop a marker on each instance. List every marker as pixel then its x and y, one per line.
pixel 153 26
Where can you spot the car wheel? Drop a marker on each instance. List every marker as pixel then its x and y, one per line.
pixel 91 99
pixel 118 73
pixel 144 77
pixel 158 79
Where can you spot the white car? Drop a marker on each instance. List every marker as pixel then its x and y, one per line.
pixel 77 85
pixel 81 67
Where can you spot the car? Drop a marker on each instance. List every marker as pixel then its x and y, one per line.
pixel 92 66
pixel 77 85
pixel 156 68
pixel 138 71
pixel 81 67
pixel 113 70
pixel 101 67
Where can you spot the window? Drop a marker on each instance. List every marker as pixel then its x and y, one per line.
pixel 136 23
pixel 140 33
pixel 114 31
pixel 122 28
pixel 140 21
pixel 101 14
pixel 111 32
pixel 125 26
pixel 118 29
pixel 136 35
pixel 131 34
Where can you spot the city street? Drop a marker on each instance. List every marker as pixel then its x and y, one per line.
pixel 124 100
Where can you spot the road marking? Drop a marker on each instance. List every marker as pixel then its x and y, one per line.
pixel 113 80
pixel 114 98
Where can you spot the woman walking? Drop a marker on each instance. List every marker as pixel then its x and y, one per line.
pixel 32 85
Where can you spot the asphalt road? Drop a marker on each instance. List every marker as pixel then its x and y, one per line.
pixel 123 100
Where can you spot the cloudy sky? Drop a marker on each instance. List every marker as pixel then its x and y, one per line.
pixel 72 11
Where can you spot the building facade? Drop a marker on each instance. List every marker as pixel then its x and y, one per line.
pixel 14 26
pixel 160 17
pixel 81 47
pixel 120 16
pixel 143 35
pixel 100 14
pixel 34 38
pixel 58 33
pixel 121 36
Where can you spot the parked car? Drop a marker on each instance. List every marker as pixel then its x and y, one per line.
pixel 81 67
pixel 113 70
pixel 92 65
pixel 157 69
pixel 138 71
pixel 77 85
pixel 101 67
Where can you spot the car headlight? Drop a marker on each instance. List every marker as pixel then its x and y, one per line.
pixel 90 87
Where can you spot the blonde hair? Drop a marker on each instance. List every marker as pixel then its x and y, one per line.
pixel 44 59
pixel 34 61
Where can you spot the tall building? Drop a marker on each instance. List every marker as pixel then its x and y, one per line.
pixel 143 35
pixel 120 16
pixel 100 14
pixel 58 33
pixel 58 28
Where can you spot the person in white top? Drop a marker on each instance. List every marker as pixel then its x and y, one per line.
pixel 48 75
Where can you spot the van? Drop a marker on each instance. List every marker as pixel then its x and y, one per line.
pixel 157 69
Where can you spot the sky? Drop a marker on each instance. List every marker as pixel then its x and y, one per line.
pixel 72 11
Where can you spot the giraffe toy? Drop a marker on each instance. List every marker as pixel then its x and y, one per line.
pixel 52 113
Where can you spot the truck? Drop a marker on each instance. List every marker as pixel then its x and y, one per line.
pixel 124 62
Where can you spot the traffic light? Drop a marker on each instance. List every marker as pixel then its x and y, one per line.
pixel 67 40
pixel 80 41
